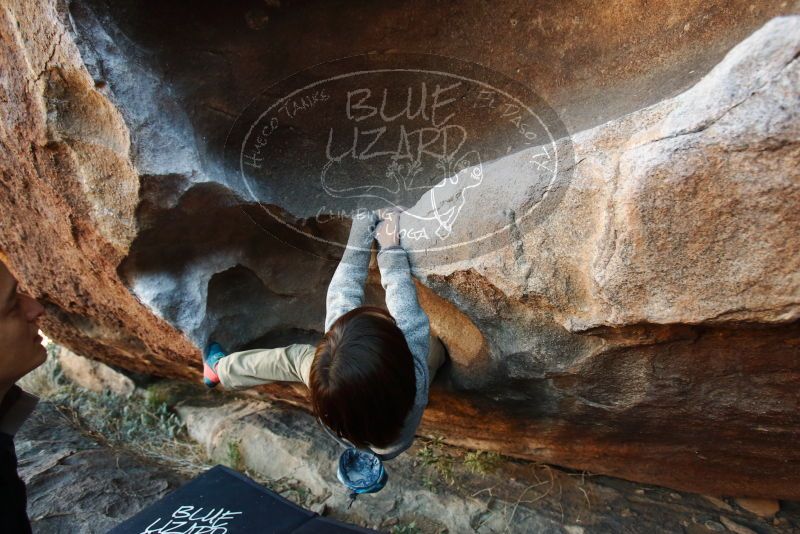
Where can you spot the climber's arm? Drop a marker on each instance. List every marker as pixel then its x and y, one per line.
pixel 346 290
pixel 401 299
pixel 401 294
pixel 250 368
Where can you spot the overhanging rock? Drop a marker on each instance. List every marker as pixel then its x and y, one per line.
pixel 646 328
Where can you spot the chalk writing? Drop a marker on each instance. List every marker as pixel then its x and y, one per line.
pixel 416 235
pixel 304 103
pixel 543 153
pixel 439 140
pixel 325 215
pixel 192 520
pixel 513 113
pixel 253 159
pixel 291 108
pixel 426 108
pixel 401 131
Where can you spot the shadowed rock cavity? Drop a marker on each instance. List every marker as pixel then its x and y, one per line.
pixel 647 328
pixel 216 267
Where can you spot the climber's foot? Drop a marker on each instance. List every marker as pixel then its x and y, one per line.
pixel 211 357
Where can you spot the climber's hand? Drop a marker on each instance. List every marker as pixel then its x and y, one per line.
pixel 387 232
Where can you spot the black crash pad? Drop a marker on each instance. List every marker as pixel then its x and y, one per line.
pixel 224 501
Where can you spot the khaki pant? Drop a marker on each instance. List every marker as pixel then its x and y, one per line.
pixel 255 367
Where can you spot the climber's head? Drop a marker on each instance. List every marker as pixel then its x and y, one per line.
pixel 362 379
pixel 21 349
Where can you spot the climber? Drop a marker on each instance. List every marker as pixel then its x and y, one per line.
pixel 369 375
pixel 21 352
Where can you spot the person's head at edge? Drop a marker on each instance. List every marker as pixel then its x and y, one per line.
pixel 362 382
pixel 21 349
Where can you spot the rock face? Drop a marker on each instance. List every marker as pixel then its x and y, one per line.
pixel 93 375
pixel 283 443
pixel 646 327
pixel 75 484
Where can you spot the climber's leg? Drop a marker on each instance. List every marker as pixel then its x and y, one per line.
pixel 255 367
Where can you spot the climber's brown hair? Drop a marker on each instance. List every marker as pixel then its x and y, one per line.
pixel 362 379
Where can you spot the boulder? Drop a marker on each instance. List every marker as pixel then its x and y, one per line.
pixel 75 484
pixel 760 507
pixel 93 375
pixel 642 323
pixel 437 486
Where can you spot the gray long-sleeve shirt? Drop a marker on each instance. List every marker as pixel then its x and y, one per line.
pixel 346 291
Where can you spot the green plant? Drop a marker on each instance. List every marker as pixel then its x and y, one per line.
pixel 482 462
pixel 410 528
pixel 154 397
pixel 234 455
pixel 429 484
pixel 432 454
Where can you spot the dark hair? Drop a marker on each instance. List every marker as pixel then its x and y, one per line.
pixel 362 379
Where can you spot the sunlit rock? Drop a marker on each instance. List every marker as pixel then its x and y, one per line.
pixel 646 326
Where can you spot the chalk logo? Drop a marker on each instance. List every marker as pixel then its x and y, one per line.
pixel 193 520
pixel 466 152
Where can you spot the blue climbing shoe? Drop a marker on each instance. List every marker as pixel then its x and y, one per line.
pixel 211 356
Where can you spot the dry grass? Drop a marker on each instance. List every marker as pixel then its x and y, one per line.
pixel 143 424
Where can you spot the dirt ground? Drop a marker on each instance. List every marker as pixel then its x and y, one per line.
pixel 91 460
